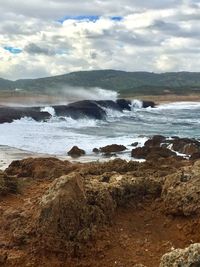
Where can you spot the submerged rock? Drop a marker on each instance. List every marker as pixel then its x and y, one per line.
pixel 188 257
pixel 76 152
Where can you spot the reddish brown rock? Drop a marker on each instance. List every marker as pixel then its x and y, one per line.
pixel 195 156
pixel 181 191
pixel 156 140
pixel 112 148
pixel 151 153
pixel 185 145
pixel 76 152
pixel 40 168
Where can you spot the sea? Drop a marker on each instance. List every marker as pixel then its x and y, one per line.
pixel 57 136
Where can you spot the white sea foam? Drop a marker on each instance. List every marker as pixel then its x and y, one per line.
pixel 48 109
pixel 136 104
pixel 179 105
pixel 59 134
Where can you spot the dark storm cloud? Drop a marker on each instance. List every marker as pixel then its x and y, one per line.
pixel 35 49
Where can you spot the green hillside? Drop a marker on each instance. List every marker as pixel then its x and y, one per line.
pixel 121 81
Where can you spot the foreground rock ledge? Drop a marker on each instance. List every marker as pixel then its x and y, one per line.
pixel 96 214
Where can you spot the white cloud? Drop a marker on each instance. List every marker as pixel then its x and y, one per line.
pixel 153 36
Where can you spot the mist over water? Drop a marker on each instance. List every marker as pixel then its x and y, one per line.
pixel 81 93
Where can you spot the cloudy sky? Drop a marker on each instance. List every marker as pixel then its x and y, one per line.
pixel 48 37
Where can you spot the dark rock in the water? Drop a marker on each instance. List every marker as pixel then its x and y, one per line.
pixel 94 109
pixel 95 150
pixel 80 109
pixel 9 114
pixel 156 140
pixel 112 148
pixel 124 104
pixel 135 144
pixel 76 152
pixel 151 153
pixel 185 145
pixel 109 104
pixel 146 104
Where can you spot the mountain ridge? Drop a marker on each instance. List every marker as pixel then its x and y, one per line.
pixel 122 81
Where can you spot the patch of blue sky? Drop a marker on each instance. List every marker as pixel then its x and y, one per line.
pixel 79 18
pixel 117 18
pixel 88 18
pixel 13 50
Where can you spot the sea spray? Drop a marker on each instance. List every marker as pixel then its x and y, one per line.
pixel 79 93
pixel 50 110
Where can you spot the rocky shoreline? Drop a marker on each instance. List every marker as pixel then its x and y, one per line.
pixel 115 213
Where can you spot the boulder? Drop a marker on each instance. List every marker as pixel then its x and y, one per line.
pixel 40 168
pixel 95 150
pixel 188 257
pixel 146 104
pixel 76 152
pixel 151 153
pixel 185 145
pixel 69 212
pixel 112 148
pixel 62 207
pixel 181 191
pixel 135 144
pixel 156 140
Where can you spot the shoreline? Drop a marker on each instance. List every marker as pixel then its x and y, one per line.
pixel 41 100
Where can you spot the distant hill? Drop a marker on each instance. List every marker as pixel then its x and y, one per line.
pixel 124 82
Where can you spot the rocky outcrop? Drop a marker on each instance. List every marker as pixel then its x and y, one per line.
pixel 9 114
pixel 152 153
pixel 181 191
pixel 188 257
pixel 73 207
pixel 114 148
pixel 40 168
pixel 8 185
pixel 76 152
pixel 185 145
pixel 146 104
pixel 181 145
pixel 156 140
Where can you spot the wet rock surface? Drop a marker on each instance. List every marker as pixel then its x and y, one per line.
pixel 76 152
pixel 150 153
pixel 161 146
pixel 112 148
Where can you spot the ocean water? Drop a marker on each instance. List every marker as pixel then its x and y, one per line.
pixel 58 135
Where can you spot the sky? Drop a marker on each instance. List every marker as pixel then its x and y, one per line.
pixel 50 37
